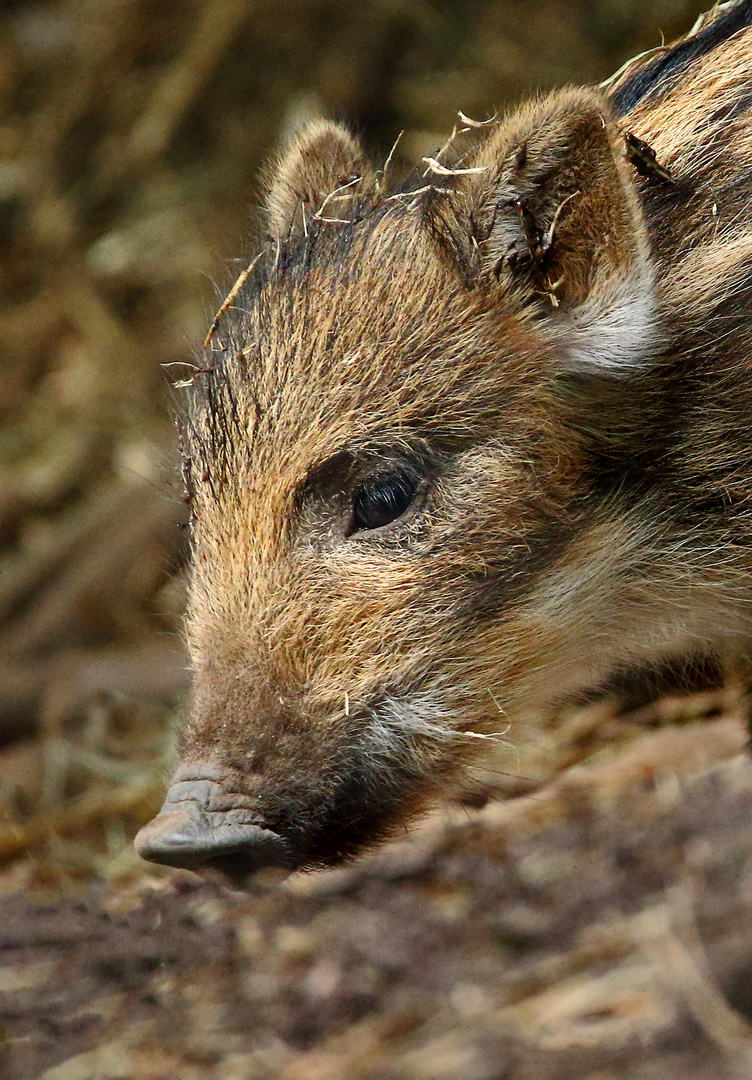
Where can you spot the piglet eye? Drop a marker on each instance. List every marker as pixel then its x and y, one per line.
pixel 381 501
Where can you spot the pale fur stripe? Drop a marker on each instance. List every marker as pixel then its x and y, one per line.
pixel 617 333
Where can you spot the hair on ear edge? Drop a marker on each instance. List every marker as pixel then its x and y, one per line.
pixel 318 176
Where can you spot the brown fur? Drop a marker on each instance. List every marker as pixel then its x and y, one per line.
pixel 322 171
pixel 556 349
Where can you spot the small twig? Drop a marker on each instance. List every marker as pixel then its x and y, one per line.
pixel 229 299
pixel 490 735
pixel 612 82
pixel 195 368
pixel 181 363
pixel 410 194
pixel 442 150
pixel 332 195
pixel 549 237
pixel 433 162
pixel 435 166
pixel 475 123
pixel 388 161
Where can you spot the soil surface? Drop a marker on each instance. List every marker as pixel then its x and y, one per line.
pixel 600 929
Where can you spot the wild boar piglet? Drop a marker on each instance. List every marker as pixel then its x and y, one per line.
pixel 462 448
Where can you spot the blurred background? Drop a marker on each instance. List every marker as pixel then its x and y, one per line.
pixel 132 133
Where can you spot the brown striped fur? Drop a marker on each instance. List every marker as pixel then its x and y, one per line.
pixel 554 349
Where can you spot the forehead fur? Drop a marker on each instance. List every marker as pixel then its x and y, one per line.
pixel 428 312
pixel 348 339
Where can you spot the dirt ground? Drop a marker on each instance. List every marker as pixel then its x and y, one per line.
pixel 597 927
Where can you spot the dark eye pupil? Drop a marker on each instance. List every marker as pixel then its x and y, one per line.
pixel 382 501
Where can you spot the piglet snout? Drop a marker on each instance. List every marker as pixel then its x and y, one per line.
pixel 191 832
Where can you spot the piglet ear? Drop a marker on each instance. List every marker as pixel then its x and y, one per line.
pixel 322 173
pixel 555 218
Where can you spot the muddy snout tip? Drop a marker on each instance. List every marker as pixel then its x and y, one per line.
pixel 188 836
